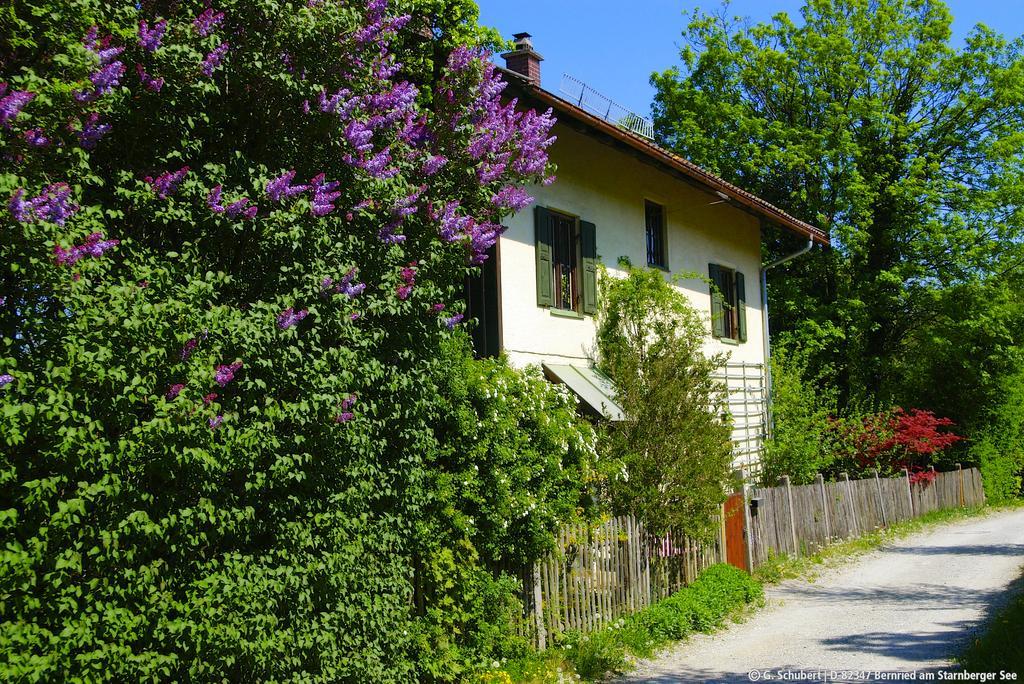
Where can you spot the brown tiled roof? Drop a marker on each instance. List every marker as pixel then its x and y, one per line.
pixel 674 161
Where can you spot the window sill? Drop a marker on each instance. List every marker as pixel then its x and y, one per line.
pixel 564 313
pixel 658 267
pixel 728 340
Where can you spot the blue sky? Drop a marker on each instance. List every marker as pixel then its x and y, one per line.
pixel 614 46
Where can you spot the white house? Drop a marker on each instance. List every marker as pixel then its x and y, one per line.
pixel 618 194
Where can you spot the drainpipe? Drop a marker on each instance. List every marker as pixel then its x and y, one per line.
pixel 764 325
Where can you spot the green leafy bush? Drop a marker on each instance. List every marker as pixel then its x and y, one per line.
pixel 998 446
pixel 800 411
pixel 670 459
pixel 700 607
pixel 226 246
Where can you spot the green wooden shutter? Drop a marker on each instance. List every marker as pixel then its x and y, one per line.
pixel 588 248
pixel 741 307
pixel 717 310
pixel 545 268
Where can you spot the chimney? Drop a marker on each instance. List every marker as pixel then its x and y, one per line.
pixel 524 59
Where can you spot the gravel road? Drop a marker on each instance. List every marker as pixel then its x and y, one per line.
pixel 906 607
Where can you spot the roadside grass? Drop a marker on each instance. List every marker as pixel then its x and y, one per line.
pixel 784 567
pixel 721 592
pixel 1001 647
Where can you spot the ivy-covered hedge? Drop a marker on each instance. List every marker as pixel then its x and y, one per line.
pixel 234 241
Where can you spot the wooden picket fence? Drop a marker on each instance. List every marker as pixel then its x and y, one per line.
pixel 600 574
pixel 799 520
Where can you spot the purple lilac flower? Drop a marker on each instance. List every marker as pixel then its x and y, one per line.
pixel 35 137
pixel 215 422
pixel 150 38
pixel 324 195
pixel 433 164
pixel 406 206
pixel 214 59
pixel 6 379
pixel 511 197
pixel 3 301
pixel 359 136
pixel 108 77
pixel 348 402
pixel 289 317
pixel 189 347
pixel 346 286
pixel 20 208
pixel 166 184
pixel 241 207
pixel 150 82
pixel 344 417
pixel 207 21
pixel 91 38
pixel 408 276
pixel 437 308
pixel 107 54
pixel 226 374
pixel 173 391
pixel 92 131
pixel 281 187
pixel 452 321
pixel 208 399
pixel 53 204
pixel 388 236
pixel 355 316
pixel 11 105
pixel 213 199
pixel 93 246
pixel 453 227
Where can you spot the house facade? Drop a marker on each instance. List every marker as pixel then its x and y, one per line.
pixel 618 195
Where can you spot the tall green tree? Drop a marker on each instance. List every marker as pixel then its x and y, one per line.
pixel 863 116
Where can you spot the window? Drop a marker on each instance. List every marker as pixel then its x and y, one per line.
pixel 566 262
pixel 657 250
pixel 728 303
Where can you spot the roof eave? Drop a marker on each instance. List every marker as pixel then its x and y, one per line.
pixel 704 178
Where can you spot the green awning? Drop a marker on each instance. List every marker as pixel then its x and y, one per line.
pixel 592 386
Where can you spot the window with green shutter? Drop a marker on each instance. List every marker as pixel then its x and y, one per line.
pixel 728 303
pixel 566 250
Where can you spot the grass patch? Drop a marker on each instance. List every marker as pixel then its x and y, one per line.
pixel 719 592
pixel 782 567
pixel 1001 647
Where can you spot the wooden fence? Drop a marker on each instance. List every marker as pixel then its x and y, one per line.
pixel 598 575
pixel 799 520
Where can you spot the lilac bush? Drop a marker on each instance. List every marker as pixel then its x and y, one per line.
pixel 220 364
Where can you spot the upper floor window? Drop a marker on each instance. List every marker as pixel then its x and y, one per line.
pixel 566 262
pixel 657 249
pixel 728 303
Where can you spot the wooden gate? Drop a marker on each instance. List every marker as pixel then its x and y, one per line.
pixel 735 539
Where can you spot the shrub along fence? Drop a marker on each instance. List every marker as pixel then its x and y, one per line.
pixel 598 575
pixel 799 520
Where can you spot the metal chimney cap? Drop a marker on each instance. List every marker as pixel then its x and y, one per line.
pixel 522 40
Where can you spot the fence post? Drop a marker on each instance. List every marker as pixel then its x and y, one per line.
pixel 748 532
pixel 538 608
pixel 824 508
pixel 721 558
pixel 910 493
pixel 792 517
pixel 855 527
pixel 881 499
pixel 960 482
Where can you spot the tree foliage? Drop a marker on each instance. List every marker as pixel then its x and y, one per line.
pixel 671 457
pixel 233 249
pixel 865 118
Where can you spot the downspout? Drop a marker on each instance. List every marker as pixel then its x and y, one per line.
pixel 764 325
